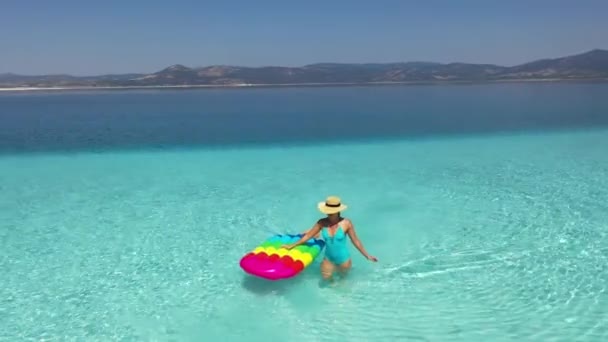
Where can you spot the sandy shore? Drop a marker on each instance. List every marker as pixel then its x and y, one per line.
pixel 187 86
pixel 112 88
pixel 242 85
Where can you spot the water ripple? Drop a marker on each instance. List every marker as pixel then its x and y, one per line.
pixel 483 246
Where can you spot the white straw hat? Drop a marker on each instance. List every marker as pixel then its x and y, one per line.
pixel 332 205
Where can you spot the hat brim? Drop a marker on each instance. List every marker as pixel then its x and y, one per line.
pixel 331 210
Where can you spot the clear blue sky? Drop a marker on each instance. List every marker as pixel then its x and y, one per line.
pixel 95 37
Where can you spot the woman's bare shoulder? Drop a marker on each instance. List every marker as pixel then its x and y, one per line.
pixel 322 222
pixel 347 222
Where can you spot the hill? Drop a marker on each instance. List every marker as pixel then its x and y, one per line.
pixel 591 65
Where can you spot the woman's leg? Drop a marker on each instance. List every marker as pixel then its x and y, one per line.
pixel 327 269
pixel 345 267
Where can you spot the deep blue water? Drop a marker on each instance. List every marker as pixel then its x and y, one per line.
pixel 60 121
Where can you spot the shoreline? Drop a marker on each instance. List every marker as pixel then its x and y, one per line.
pixel 294 85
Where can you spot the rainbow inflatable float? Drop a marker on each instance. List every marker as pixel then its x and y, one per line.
pixel 272 262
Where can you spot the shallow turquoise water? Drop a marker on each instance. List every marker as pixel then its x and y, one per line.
pixel 481 238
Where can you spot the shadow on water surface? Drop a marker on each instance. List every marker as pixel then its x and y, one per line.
pixel 264 287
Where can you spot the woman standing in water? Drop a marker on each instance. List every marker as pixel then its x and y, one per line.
pixel 333 229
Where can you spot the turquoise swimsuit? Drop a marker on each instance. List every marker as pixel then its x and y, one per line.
pixel 336 250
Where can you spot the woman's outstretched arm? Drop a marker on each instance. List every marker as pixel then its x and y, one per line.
pixel 355 240
pixel 312 232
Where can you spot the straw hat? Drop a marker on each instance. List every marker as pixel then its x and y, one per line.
pixel 332 205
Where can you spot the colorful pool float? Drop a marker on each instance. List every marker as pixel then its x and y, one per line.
pixel 270 261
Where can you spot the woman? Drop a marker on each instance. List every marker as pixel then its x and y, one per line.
pixel 334 229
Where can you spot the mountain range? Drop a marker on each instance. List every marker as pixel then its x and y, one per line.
pixel 591 65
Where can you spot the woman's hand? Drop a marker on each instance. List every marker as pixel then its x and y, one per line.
pixel 372 258
pixel 305 237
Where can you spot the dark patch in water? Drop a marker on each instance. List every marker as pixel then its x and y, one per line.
pixel 264 287
pixel 219 118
